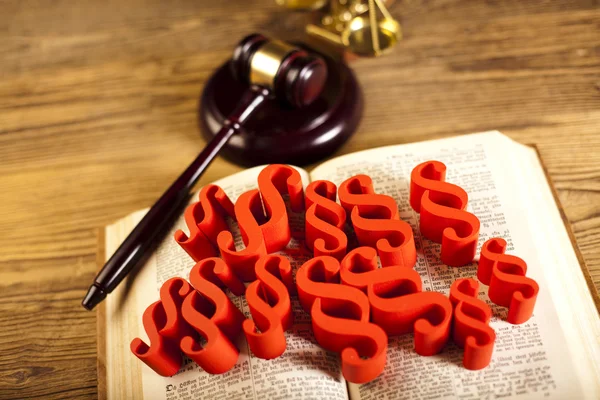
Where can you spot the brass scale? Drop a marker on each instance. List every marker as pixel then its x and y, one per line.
pixel 361 27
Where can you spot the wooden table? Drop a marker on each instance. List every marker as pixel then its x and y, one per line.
pixel 98 105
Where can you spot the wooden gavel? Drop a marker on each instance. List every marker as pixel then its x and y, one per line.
pixel 272 69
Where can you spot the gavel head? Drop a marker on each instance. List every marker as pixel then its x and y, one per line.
pixel 289 72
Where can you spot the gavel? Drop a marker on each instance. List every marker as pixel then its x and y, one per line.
pixel 273 70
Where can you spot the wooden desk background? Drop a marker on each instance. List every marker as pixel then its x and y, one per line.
pixel 98 115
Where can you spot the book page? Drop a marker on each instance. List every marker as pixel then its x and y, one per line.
pixel 304 371
pixel 555 354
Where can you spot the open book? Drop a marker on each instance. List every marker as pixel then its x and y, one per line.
pixel 556 354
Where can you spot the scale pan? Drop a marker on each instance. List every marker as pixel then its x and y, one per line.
pixel 359 39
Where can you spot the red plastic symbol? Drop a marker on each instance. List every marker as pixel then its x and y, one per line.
pixel 340 319
pixel 325 221
pixel 269 302
pixel 505 276
pixel 471 328
pixel 443 217
pixel 274 181
pixel 223 312
pixel 214 317
pixel 164 326
pixel 377 223
pixel 398 310
pixel 397 303
pixel 218 354
pixel 163 355
pixel 205 220
pixel 217 272
pixel 172 294
pixel 248 213
pixel 359 269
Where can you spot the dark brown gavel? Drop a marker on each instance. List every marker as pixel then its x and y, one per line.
pixel 273 70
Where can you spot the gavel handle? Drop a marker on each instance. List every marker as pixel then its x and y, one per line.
pixel 162 213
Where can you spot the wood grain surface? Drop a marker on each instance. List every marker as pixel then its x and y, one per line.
pixel 98 107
